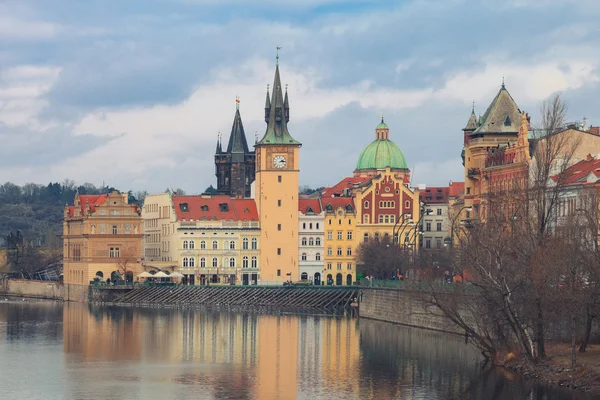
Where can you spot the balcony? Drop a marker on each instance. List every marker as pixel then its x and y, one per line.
pixel 473 172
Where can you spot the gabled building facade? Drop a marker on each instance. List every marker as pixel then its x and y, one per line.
pixel 311 221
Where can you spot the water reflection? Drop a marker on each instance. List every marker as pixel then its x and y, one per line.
pixel 184 354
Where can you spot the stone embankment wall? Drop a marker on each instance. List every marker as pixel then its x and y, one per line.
pixel 404 307
pixel 44 290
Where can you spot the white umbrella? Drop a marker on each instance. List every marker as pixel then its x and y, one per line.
pixel 145 274
pixel 176 275
pixel 160 274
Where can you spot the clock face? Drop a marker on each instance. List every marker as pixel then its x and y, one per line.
pixel 279 161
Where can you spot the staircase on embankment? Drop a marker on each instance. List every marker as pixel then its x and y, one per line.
pixel 312 299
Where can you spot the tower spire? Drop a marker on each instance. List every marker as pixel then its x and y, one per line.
pixel 267 106
pixel 277 56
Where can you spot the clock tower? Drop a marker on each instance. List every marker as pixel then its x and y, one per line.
pixel 276 184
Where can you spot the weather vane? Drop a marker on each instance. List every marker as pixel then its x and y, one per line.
pixel 277 57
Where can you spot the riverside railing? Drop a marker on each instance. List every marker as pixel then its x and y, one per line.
pixel 422 285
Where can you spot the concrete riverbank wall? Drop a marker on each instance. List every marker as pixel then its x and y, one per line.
pixel 404 307
pixel 57 291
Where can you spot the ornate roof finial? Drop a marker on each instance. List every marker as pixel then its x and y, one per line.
pixel 381 117
pixel 473 108
pixel 502 81
pixel 237 102
pixel 277 57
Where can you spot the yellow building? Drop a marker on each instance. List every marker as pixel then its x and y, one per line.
pixel 340 240
pixel 102 237
pixel 277 168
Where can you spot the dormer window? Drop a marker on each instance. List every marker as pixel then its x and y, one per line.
pixel 507 121
pixel 309 210
pixel 224 207
pixel 204 208
pixel 348 208
pixel 246 210
pixel 184 207
pixel 329 208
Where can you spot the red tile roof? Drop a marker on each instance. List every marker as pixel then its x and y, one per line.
pixel 315 204
pixel 433 195
pixel 346 183
pixel 456 189
pixel 214 208
pixel 92 199
pixel 577 173
pixel 337 202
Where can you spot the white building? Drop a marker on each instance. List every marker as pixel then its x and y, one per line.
pixel 311 240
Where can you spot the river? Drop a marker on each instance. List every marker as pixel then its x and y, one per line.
pixel 52 350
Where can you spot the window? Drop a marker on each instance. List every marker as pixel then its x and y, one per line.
pixel 329 251
pixel 186 244
pixel 428 243
pixel 245 243
pixel 311 242
pixel 278 272
pixel 317 225
pixel 192 262
pixel 254 243
pixel 254 262
pixel 203 244
pixel 317 241
pixel 232 245
pixel 183 207
pixel 303 241
pixel 204 208
pixel 468 190
pixel 185 262
pixel 192 244
pixel 329 221
pixel 407 204
pixel 310 226
pixel 428 227
pixel 339 266
pixel 214 262
pixel 215 245
pixel 328 265
pixel 339 251
pixel 349 266
pixel 226 244
pixel 366 204
pixel 318 256
pixel 349 251
pixel 278 251
pixel 339 235
pixel 304 225
pixel 278 203
pixel 114 252
pixel 366 219
pixel 278 227
pixel 439 211
pixel 438 243
pixel 439 226
pixel 329 235
pixel 386 219
pixel 114 230
pixel 381 219
pixel 377 236
pixel 232 262
pixel 203 262
pixel 224 207
pixel 303 256
pixel 366 237
pixel 279 178
pixel 339 221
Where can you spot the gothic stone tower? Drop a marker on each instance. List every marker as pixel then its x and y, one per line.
pixel 235 167
pixel 276 188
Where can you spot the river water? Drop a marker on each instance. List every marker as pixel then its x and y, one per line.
pixel 74 351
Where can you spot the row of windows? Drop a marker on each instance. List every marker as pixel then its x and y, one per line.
pixel 339 266
pixel 310 225
pixel 305 257
pixel 190 262
pixel 438 243
pixel 191 244
pixel 388 204
pixel 340 251
pixel 340 235
pixel 428 226
pixel 340 221
pixel 387 219
pixel 311 242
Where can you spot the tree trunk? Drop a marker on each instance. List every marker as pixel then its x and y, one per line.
pixel 588 330
pixel 541 348
pixel 573 341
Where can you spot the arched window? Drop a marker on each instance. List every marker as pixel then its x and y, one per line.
pixel 339 251
pixel 381 219
pixel 214 262
pixel 317 241
pixel 366 204
pixel 232 262
pixel 203 244
pixel 304 276
pixel 386 219
pixel 226 245
pixel 192 262
pixel 245 243
pixel 185 261
pixel 203 262
pixel 254 262
pixel 254 243
pixel 215 245
pixel 311 242
pixel 232 245
pixel 303 256
pixel 392 219
pixel 192 244
pixel 185 244
pixel 318 256
pixel 366 219
pixel 310 226
pixel 303 241
pixel 245 262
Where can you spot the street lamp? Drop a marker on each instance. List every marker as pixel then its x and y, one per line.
pixel 468 208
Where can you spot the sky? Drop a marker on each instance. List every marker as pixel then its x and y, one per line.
pixel 134 93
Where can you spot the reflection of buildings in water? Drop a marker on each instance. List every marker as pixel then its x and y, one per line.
pixel 340 354
pixel 101 333
pixel 396 359
pixel 28 321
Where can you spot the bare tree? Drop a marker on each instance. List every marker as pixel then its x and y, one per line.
pixel 382 258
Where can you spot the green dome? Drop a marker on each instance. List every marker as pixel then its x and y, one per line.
pixel 381 154
pixel 382 125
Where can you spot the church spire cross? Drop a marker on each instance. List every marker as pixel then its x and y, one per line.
pixel 277 56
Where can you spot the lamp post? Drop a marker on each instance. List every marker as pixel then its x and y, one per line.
pixel 468 208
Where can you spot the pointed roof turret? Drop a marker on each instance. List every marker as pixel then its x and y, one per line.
pixel 277 131
pixel 237 140
pixel 502 116
pixel 219 149
pixel 267 106
pixel 286 105
pixel 472 122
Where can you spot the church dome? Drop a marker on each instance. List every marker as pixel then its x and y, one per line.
pixel 381 153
